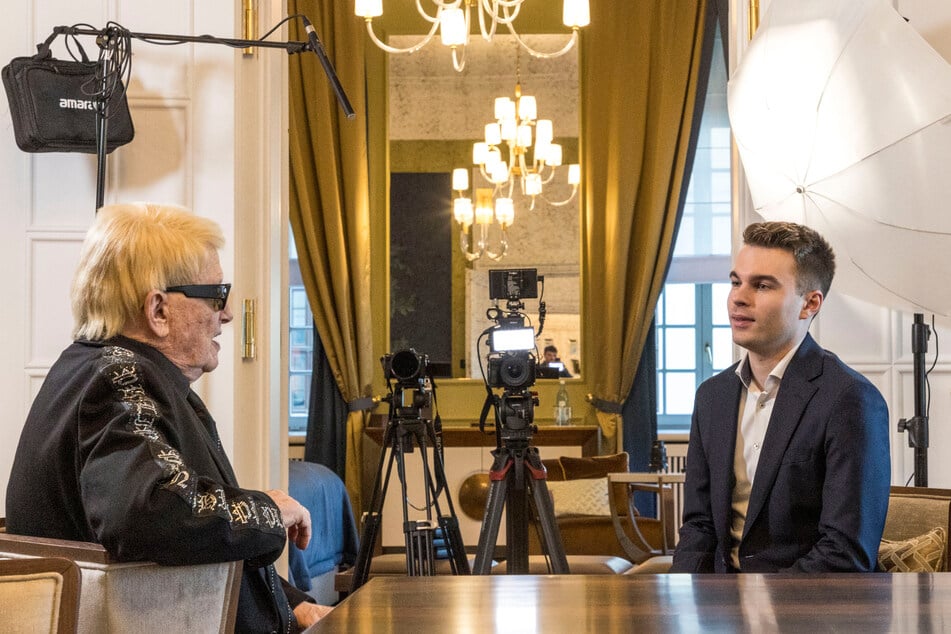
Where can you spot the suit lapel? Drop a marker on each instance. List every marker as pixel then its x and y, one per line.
pixel 795 392
pixel 720 454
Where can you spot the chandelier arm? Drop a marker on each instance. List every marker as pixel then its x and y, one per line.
pixel 551 174
pixel 562 203
pixel 487 34
pixel 464 244
pixel 541 54
pixel 505 17
pixel 503 247
pixel 440 4
pixel 459 63
pixel 391 49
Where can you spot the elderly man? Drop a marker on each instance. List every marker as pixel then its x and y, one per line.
pixel 117 448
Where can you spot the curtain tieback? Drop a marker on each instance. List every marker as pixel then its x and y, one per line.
pixel 604 405
pixel 363 403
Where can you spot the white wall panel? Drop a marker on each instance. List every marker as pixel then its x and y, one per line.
pixel 854 329
pixel 64 190
pixel 51 13
pixel 155 165
pixel 53 259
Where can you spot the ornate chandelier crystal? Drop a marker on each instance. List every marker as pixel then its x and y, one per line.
pixel 453 20
pixel 503 160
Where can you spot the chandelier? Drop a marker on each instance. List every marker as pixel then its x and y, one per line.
pixel 453 20
pixel 503 161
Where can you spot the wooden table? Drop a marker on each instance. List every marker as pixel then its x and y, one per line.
pixel 577 604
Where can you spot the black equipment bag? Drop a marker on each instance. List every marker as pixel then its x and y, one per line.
pixel 53 103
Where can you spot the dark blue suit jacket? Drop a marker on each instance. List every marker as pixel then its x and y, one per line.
pixel 821 487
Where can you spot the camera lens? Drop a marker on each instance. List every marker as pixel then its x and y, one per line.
pixel 405 365
pixel 516 371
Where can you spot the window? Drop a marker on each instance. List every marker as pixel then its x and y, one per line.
pixel 301 348
pixel 693 330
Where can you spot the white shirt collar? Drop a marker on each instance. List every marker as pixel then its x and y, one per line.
pixel 775 375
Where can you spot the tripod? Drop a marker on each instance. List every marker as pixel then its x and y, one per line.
pixel 517 470
pixel 401 436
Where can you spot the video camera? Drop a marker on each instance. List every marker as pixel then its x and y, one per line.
pixel 410 385
pixel 511 362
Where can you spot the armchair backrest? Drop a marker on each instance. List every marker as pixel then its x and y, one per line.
pixel 39 595
pixel 140 596
pixel 914 511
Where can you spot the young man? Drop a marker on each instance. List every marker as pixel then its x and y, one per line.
pixel 788 467
pixel 118 449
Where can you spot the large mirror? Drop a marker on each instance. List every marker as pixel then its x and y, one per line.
pixel 439 296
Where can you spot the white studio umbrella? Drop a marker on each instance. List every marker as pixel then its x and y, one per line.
pixel 842 117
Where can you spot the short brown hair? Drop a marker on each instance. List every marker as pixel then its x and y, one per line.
pixel 129 250
pixel 815 261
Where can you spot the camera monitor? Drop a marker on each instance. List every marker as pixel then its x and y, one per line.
pixel 513 339
pixel 513 283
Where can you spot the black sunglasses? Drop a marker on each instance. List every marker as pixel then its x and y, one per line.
pixel 217 293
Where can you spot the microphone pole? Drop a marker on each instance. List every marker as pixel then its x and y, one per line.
pixel 917 427
pixel 919 348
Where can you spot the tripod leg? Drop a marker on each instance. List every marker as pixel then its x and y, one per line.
pixel 546 514
pixel 448 523
pixel 517 519
pixel 373 517
pixel 493 516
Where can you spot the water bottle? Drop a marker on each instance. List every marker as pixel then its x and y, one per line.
pixel 562 408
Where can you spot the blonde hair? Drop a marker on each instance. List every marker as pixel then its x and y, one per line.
pixel 129 250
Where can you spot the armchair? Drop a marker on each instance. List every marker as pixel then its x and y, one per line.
pixel 916 530
pixel 39 595
pixel 140 596
pixel 651 551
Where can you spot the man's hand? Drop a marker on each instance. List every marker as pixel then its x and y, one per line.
pixel 309 613
pixel 296 517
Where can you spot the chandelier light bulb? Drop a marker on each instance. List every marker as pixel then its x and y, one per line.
pixel 493 159
pixel 504 211
pixel 452 27
pixel 499 172
pixel 460 179
pixel 493 134
pixel 369 8
pixel 527 108
pixel 504 108
pixel 462 211
pixel 480 153
pixel 553 157
pixel 533 184
pixel 574 174
pixel 509 129
pixel 576 13
pixel 484 214
pixel 524 137
pixel 544 133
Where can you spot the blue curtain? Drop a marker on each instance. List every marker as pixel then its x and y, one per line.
pixel 326 441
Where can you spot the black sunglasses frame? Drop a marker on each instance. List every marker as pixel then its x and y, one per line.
pixel 217 293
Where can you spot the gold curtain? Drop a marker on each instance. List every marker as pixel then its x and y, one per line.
pixel 640 60
pixel 329 205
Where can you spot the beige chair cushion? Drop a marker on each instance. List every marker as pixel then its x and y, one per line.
pixel 587 496
pixel 657 565
pixel 924 553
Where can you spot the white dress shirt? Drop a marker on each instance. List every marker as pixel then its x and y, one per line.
pixel 756 407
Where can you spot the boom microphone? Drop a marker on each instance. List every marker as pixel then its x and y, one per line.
pixel 318 48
